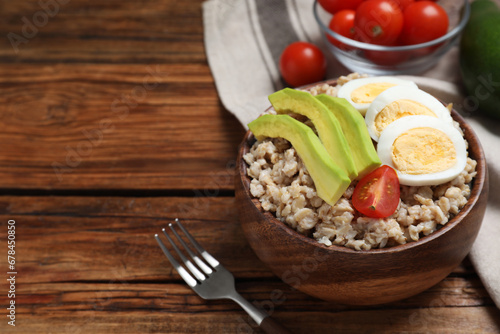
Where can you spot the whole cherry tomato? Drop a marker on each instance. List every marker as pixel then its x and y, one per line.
pixel 378 22
pixel 377 194
pixel 342 23
pixel 403 3
pixel 333 6
pixel 424 21
pixel 388 58
pixel 302 63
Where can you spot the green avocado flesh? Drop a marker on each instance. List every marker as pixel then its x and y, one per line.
pixel 329 130
pixel 330 180
pixel 480 58
pixel 353 125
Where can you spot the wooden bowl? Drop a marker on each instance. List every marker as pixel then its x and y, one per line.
pixel 346 276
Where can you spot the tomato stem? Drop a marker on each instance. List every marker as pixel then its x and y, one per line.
pixel 377 31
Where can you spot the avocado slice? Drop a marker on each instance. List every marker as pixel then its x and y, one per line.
pixel 329 130
pixel 330 180
pixel 353 124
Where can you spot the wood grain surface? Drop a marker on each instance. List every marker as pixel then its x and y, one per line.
pixel 91 265
pixel 67 128
pixel 111 128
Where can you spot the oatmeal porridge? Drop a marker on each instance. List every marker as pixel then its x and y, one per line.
pixel 284 187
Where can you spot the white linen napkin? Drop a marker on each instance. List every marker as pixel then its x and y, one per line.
pixel 243 41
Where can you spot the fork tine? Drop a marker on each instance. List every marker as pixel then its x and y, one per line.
pixel 182 272
pixel 209 258
pixel 186 261
pixel 196 259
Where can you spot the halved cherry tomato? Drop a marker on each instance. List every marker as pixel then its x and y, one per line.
pixel 378 22
pixel 377 194
pixel 342 23
pixel 302 63
pixel 333 6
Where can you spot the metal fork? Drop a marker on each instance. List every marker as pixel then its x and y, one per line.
pixel 209 279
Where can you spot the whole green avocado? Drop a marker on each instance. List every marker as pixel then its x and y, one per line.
pixel 480 58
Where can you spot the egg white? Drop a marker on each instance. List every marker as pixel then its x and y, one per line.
pixel 404 93
pixel 402 125
pixel 346 90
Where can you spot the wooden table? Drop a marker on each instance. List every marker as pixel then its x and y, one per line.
pixel 111 128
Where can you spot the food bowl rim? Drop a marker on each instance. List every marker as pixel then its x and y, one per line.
pixel 366 46
pixel 478 185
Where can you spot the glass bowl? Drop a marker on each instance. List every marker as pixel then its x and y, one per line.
pixel 390 60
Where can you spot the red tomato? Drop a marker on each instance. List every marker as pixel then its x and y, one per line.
pixel 342 23
pixel 403 3
pixel 302 63
pixel 387 58
pixel 378 22
pixel 333 6
pixel 424 21
pixel 377 194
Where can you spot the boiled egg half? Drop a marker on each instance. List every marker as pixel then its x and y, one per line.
pixel 423 150
pixel 361 92
pixel 397 102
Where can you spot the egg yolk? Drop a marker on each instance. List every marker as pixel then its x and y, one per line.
pixel 397 109
pixel 423 151
pixel 368 93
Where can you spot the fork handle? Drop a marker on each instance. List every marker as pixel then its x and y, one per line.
pixel 268 324
pixel 271 326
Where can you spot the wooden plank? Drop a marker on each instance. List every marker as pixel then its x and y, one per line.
pixel 443 320
pixel 84 126
pixel 108 31
pixel 174 308
pixel 73 238
pixel 100 238
pixel 92 262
